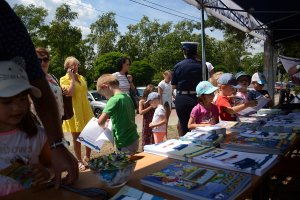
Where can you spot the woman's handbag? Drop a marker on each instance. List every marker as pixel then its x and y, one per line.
pixel 67 100
pixel 68 107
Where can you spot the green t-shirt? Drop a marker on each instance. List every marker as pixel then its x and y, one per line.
pixel 120 108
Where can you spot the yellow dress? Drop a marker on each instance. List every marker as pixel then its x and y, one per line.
pixel 81 106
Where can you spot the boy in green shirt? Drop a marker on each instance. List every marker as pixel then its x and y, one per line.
pixel 120 110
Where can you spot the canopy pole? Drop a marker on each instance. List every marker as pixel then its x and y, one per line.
pixel 269 63
pixel 204 68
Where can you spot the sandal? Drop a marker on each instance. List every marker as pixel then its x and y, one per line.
pixel 81 166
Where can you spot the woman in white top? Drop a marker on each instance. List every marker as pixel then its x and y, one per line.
pixel 124 82
pixel 165 93
pixel 44 58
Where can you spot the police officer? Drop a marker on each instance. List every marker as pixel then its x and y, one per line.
pixel 186 75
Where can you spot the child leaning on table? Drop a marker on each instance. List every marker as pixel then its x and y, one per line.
pixel 159 121
pixel 205 113
pixel 228 84
pixel 258 81
pixel 25 154
pixel 120 109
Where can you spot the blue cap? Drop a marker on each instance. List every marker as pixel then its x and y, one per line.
pixel 242 73
pixel 228 79
pixel 205 87
pixel 259 78
pixel 152 96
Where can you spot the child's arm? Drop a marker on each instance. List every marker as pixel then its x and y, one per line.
pixel 238 108
pixel 143 111
pixel 43 172
pixel 160 92
pixel 103 119
pixel 192 124
pixel 161 122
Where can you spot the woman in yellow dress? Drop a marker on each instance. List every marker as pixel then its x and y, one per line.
pixel 76 86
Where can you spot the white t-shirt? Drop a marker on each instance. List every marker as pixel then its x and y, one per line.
pixel 159 114
pixel 14 144
pixel 209 67
pixel 56 90
pixel 123 82
pixel 167 92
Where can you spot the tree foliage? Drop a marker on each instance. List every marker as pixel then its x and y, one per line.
pixel 34 20
pixel 104 33
pixel 152 46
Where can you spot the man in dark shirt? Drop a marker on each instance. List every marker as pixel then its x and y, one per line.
pixel 186 75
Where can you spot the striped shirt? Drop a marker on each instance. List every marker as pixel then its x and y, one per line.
pixel 123 82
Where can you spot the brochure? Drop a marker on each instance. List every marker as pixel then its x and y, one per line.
pixel 94 136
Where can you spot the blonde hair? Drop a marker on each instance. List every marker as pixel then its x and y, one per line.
pixel 166 72
pixel 214 78
pixel 70 61
pixel 109 79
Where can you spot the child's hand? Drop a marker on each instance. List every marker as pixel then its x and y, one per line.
pixel 267 96
pixel 151 125
pixel 40 174
pixel 251 103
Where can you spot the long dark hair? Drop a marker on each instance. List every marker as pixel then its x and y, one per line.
pixel 121 61
pixel 29 122
pixel 147 91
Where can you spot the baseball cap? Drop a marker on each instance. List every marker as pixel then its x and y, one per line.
pixel 228 79
pixel 242 73
pixel 205 87
pixel 14 80
pixel 152 96
pixel 259 78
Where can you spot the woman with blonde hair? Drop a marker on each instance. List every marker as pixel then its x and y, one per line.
pixel 165 93
pixel 76 86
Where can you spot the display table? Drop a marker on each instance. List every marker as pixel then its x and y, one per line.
pixel 147 165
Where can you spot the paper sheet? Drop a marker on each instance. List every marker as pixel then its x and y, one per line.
pixel 261 102
pixel 94 135
pixel 289 62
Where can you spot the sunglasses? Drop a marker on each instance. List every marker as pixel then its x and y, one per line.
pixel 45 60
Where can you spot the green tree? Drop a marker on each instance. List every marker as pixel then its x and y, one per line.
pixel 104 33
pixel 106 63
pixel 64 40
pixel 142 72
pixel 34 21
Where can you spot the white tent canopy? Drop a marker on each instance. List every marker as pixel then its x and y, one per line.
pixel 233 14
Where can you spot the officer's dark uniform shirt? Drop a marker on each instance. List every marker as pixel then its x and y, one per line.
pixel 187 74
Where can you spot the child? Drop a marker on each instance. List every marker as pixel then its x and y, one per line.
pixel 147 111
pixel 204 113
pixel 243 80
pixel 159 120
pixel 120 110
pixel 258 81
pixel 228 83
pixel 24 154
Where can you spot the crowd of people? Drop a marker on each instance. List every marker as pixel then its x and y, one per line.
pixel 36 141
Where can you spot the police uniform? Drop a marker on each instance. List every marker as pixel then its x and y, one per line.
pixel 186 75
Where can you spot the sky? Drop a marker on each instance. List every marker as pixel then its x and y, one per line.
pixel 127 12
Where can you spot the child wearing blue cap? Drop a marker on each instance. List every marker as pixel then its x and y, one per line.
pixel 228 84
pixel 159 121
pixel 258 81
pixel 244 81
pixel 204 113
